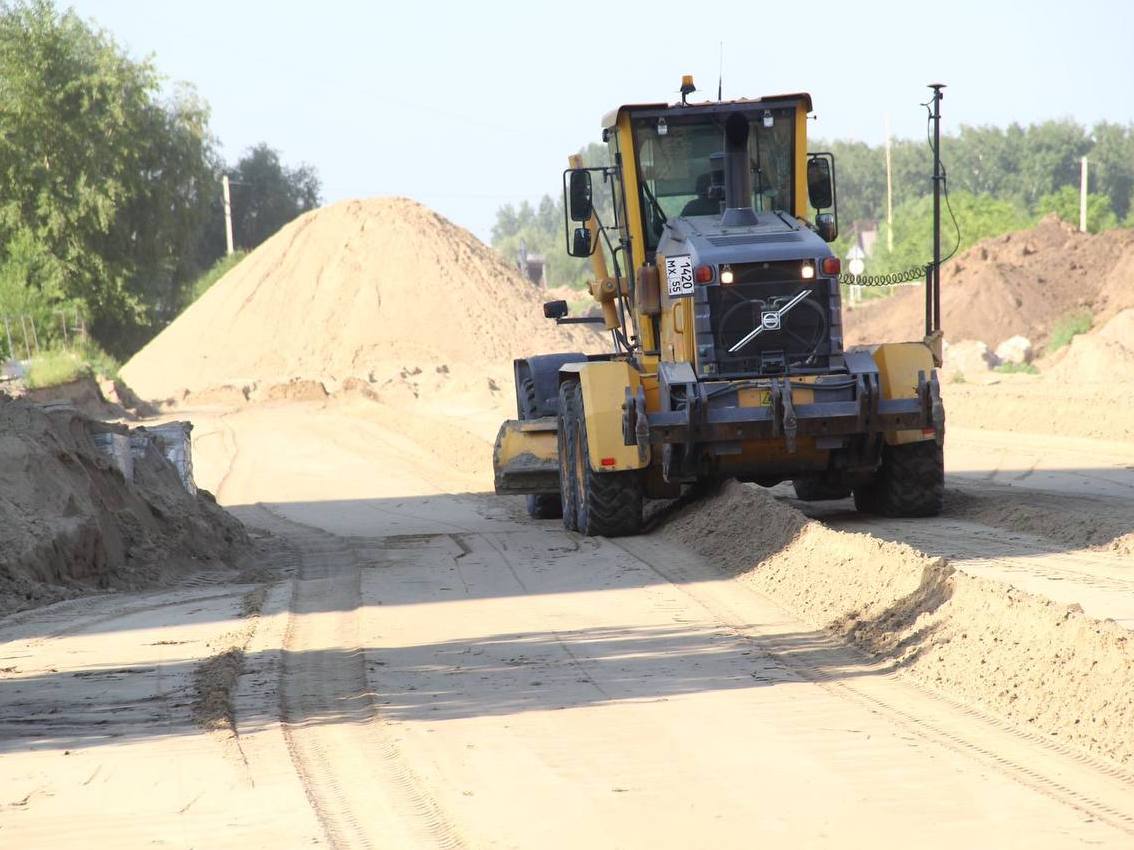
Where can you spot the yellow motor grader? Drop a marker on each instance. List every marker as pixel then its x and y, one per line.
pixel 721 296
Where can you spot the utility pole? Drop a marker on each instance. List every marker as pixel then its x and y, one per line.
pixel 889 193
pixel 933 293
pixel 1083 195
pixel 227 215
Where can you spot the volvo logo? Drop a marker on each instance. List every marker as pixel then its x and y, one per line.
pixel 770 320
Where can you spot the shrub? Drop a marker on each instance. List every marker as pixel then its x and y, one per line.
pixel 1067 327
pixel 58 366
pixel 1065 204
pixel 219 269
pixel 1012 368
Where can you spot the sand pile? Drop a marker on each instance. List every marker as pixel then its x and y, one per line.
pixel 71 522
pixel 1045 666
pixel 1019 283
pixel 356 289
pixel 1104 355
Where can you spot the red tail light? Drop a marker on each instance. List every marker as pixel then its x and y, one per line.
pixel 831 266
pixel 703 274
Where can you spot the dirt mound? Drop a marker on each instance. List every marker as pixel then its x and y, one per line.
pixel 84 394
pixel 71 521
pixel 1104 355
pixel 1046 666
pixel 1117 290
pixel 1019 283
pixel 1120 328
pixel 345 291
pixel 1095 360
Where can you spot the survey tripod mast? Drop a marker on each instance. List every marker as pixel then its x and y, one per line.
pixel 933 272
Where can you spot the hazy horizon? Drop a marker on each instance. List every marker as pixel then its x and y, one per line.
pixel 467 108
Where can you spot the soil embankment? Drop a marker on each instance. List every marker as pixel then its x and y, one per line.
pixel 72 520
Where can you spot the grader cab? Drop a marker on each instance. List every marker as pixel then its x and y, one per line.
pixel 722 300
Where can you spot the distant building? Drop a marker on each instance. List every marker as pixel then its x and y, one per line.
pixel 865 233
pixel 532 266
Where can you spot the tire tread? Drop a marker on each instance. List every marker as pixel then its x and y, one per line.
pixel 910 482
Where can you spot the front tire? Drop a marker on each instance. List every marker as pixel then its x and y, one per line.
pixel 909 483
pixel 568 427
pixel 607 503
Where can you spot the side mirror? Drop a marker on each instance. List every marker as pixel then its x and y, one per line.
pixel 826 227
pixel 579 196
pixel 554 309
pixel 819 184
pixel 581 243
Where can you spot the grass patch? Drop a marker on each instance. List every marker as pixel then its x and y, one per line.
pixel 220 268
pixel 58 366
pixel 1017 368
pixel 1067 328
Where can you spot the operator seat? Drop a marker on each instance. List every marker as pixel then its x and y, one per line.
pixel 703 204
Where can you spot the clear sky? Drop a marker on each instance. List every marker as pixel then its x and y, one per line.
pixel 469 105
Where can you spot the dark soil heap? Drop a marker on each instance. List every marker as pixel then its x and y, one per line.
pixel 1019 283
pixel 71 522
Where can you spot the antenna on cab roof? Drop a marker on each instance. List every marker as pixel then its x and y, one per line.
pixel 720 72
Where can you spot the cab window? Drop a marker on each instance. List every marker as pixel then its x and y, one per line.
pixel 681 165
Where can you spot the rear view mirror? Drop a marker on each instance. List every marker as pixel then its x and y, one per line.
pixel 554 309
pixel 581 243
pixel 580 199
pixel 826 227
pixel 820 192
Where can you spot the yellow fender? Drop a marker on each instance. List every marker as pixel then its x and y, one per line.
pixel 899 364
pixel 604 384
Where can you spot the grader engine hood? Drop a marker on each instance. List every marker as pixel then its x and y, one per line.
pixel 768 308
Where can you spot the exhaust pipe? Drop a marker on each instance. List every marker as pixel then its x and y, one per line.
pixel 738 174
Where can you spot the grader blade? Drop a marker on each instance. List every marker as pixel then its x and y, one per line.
pixel 526 457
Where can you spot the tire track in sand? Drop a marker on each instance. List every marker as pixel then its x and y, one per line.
pixel 362 790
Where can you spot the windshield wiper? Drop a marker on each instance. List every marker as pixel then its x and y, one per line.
pixel 792 224
pixel 654 203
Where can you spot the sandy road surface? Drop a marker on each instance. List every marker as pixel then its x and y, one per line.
pixel 437 670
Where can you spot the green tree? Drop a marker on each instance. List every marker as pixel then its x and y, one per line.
pixel 1112 165
pixel 1065 204
pixel 540 230
pixel 102 184
pixel 978 217
pixel 266 195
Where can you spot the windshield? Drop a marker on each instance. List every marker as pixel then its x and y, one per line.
pixel 681 165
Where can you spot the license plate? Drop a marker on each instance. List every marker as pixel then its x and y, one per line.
pixel 679 275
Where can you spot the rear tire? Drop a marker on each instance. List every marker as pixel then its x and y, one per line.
pixel 909 483
pixel 607 503
pixel 542 505
pixel 568 427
